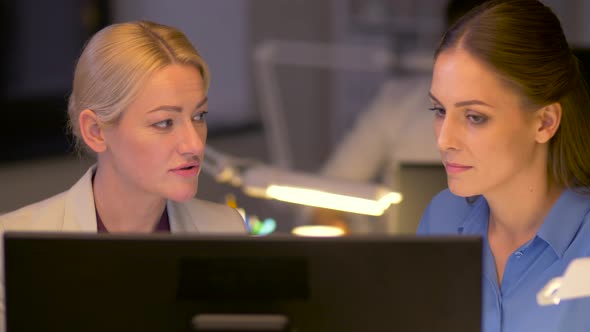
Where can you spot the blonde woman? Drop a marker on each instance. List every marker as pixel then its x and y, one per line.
pixel 139 102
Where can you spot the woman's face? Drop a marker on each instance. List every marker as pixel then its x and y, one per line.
pixel 158 144
pixel 485 135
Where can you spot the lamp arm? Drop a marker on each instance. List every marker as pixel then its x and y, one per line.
pixel 225 168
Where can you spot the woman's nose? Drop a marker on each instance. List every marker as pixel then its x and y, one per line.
pixel 447 134
pixel 192 140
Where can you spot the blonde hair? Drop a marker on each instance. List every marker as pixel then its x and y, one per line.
pixel 116 63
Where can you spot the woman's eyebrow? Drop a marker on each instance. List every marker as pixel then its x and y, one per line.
pixel 462 103
pixel 172 108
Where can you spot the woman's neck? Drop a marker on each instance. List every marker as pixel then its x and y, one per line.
pixel 519 206
pixel 516 214
pixel 122 207
pixel 519 212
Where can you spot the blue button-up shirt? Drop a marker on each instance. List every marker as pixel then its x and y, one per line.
pixel 512 306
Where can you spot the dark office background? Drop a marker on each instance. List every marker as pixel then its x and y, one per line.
pixel 37 69
pixel 42 39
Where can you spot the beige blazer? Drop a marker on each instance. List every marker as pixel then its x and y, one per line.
pixel 74 211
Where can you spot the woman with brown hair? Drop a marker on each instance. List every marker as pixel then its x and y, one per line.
pixel 512 119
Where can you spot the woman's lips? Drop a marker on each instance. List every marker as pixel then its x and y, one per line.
pixel 453 168
pixel 188 170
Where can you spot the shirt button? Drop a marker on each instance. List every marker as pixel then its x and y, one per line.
pixel 518 254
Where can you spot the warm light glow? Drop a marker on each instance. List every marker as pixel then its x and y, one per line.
pixel 333 201
pixel 318 230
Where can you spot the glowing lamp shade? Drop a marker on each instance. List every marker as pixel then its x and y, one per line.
pixel 317 231
pixel 337 194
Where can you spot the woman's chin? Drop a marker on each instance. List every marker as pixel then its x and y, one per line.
pixel 462 192
pixel 183 196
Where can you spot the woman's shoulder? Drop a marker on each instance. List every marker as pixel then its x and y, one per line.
pixel 445 213
pixel 44 215
pixel 207 216
pixel 69 210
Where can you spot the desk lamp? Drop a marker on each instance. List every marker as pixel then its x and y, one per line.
pixel 259 180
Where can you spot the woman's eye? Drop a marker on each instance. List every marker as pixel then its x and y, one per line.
pixel 439 112
pixel 477 119
pixel 163 124
pixel 200 116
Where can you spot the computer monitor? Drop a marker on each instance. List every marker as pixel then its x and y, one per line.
pixel 86 282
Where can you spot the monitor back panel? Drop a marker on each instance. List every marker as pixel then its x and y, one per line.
pixel 75 282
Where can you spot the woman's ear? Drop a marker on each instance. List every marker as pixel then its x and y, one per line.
pixel 91 131
pixel 548 119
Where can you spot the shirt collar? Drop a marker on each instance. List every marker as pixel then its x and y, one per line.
pixel 564 220
pixel 558 230
pixel 476 222
pixel 162 226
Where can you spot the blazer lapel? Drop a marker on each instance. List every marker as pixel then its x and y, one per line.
pixel 180 218
pixel 80 213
